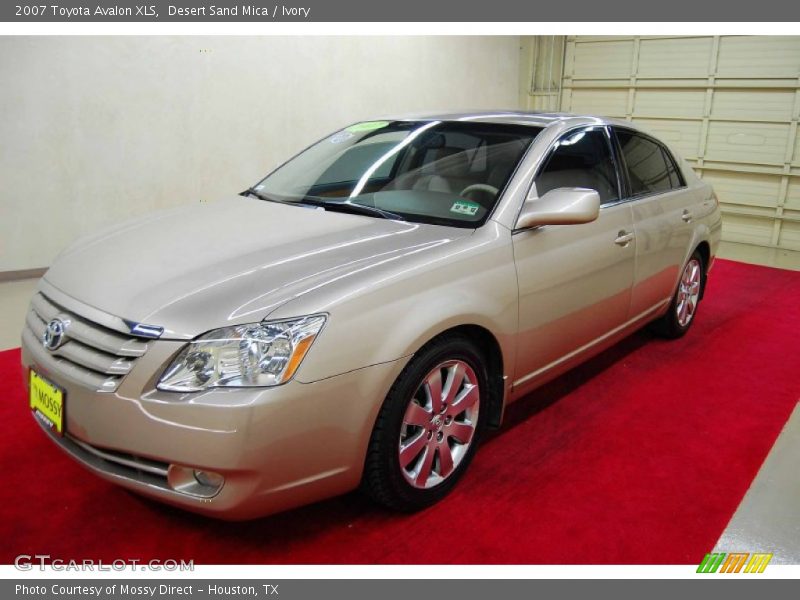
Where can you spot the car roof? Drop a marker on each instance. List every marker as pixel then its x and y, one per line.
pixel 515 117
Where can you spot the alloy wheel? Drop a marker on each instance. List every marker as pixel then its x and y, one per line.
pixel 439 424
pixel 688 292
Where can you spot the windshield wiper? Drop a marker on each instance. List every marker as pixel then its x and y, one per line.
pixel 260 196
pixel 361 209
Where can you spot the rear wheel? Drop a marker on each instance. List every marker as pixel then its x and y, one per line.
pixel 428 427
pixel 683 308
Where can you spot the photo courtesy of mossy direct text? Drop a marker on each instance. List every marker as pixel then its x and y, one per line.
pixel 148 590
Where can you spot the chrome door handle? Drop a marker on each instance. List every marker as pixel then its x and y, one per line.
pixel 624 238
pixel 686 216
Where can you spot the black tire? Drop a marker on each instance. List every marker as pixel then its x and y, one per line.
pixel 669 326
pixel 384 479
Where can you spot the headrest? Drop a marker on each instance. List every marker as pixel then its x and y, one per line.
pixel 448 162
pixel 431 140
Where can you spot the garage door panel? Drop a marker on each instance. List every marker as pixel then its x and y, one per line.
pixel 669 103
pixel 759 56
pixel 793 194
pixel 795 160
pixel 790 234
pixel 747 230
pixel 683 136
pixel 745 189
pixel 758 143
pixel 756 105
pixel 612 103
pixel 730 105
pixel 607 60
pixel 681 57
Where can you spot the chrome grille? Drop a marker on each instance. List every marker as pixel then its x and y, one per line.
pixel 92 355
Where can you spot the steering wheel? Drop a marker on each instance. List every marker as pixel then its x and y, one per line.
pixel 480 187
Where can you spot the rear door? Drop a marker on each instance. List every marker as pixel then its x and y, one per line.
pixel 574 280
pixel 662 218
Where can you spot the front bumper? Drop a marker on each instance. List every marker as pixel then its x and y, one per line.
pixel 276 447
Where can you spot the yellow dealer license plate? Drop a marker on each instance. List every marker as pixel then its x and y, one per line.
pixel 47 402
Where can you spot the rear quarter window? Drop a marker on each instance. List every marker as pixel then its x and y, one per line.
pixel 649 165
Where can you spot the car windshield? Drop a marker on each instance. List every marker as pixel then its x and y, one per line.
pixel 441 172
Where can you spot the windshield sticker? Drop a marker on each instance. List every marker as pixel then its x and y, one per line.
pixel 465 207
pixel 367 126
pixel 338 138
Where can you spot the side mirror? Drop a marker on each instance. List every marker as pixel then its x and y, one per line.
pixel 562 206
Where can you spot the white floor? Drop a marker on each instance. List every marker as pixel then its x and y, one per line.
pixel 768 518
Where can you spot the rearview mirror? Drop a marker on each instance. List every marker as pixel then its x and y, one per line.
pixel 562 206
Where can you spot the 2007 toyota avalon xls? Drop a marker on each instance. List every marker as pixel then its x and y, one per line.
pixel 366 311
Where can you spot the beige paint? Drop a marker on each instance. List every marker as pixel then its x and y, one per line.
pixel 15 295
pixel 562 206
pixel 729 104
pixel 98 129
pixel 548 298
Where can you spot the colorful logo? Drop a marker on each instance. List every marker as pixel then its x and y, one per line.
pixel 734 562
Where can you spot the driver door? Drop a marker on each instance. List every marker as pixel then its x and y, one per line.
pixel 574 280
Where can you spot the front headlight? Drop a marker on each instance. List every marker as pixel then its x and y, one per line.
pixel 253 355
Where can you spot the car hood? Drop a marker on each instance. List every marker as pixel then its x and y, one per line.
pixel 234 261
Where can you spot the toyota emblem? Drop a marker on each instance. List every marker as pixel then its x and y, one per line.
pixel 54 334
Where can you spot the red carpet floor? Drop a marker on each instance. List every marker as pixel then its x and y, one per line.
pixel 640 456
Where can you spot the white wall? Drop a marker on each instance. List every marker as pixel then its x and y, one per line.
pixel 97 129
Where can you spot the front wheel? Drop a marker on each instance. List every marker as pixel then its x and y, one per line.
pixel 683 308
pixel 428 427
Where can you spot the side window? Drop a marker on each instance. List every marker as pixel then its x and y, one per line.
pixel 582 159
pixel 649 169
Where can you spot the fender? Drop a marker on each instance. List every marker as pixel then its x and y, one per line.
pixel 469 282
